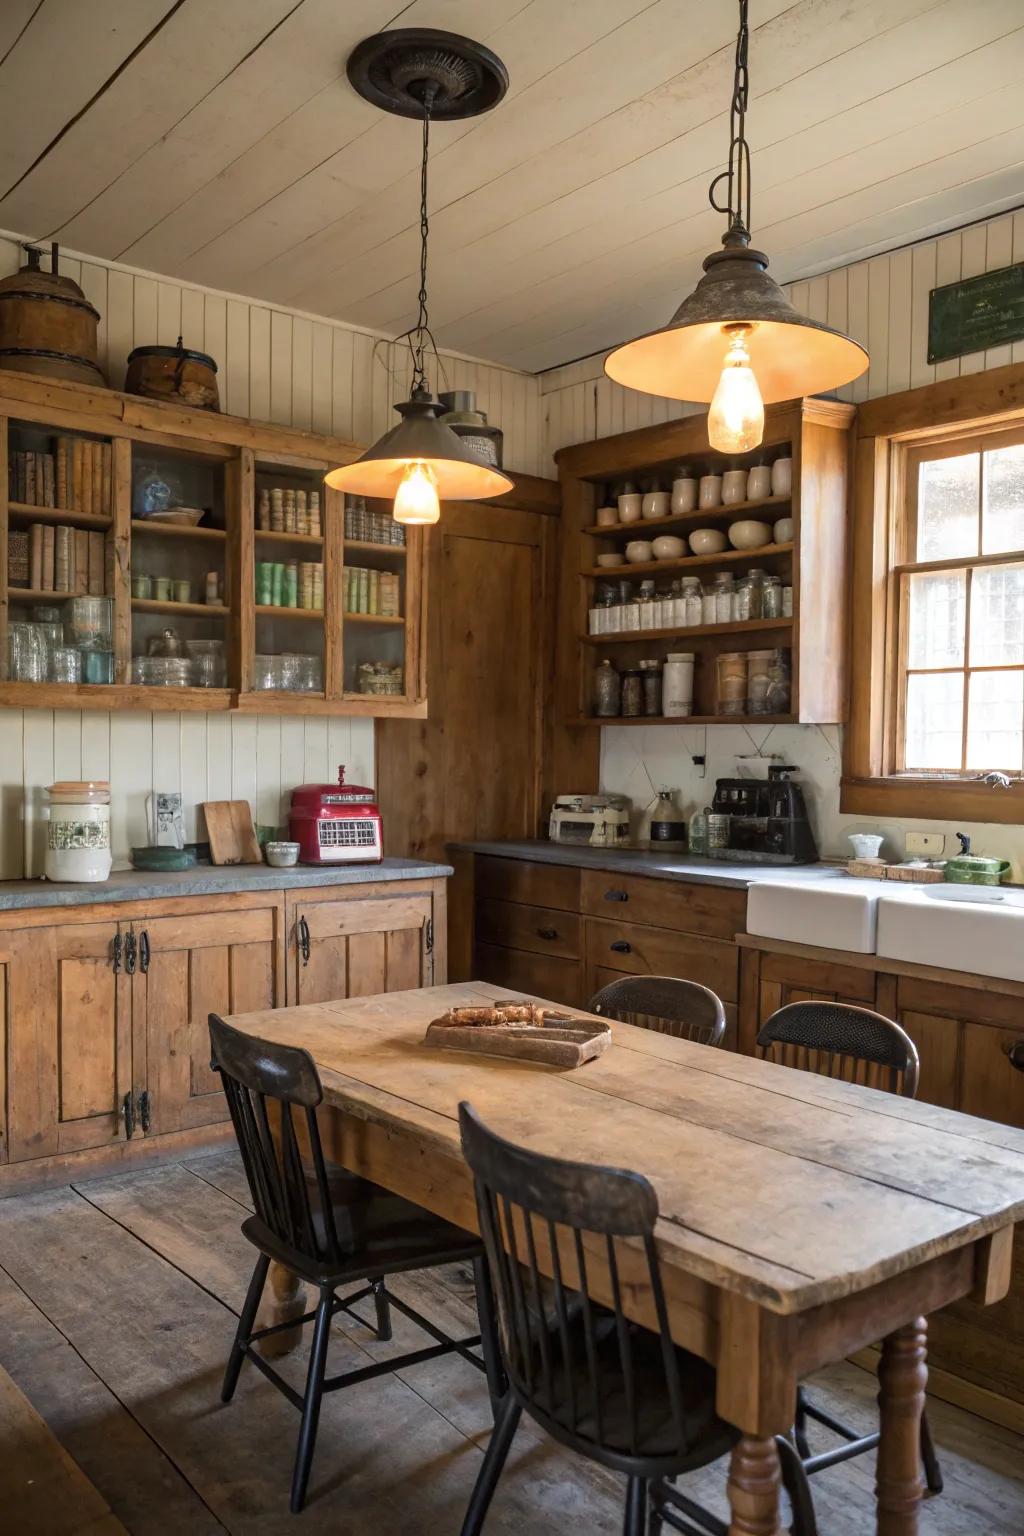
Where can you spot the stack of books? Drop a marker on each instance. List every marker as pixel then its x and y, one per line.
pixel 75 477
pixel 48 558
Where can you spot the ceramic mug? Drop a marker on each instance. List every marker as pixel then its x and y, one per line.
pixel 734 486
pixel 630 507
pixel 710 491
pixel 759 482
pixel 684 494
pixel 656 504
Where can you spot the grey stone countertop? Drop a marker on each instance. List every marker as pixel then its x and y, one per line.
pixel 208 880
pixel 663 866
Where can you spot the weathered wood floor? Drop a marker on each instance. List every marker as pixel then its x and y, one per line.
pixel 117 1304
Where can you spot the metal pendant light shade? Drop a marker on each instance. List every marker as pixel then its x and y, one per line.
pixel 420 438
pixel 790 354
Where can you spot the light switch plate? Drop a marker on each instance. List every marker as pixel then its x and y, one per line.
pixel 926 845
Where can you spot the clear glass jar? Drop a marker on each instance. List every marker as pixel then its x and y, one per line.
pixel 607 692
pixel 731 676
pixel 632 694
pixel 787 602
pixel 26 652
pixel 748 597
pixel 724 588
pixel 630 616
pixel 709 607
pixel 694 597
pixel 779 684
pixel 758 678
pixel 651 681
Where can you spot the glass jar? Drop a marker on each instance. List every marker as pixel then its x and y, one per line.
pixel 66 665
pixel 771 598
pixel 651 680
pixel 731 674
pixel 787 602
pixel 758 667
pixel 724 588
pixel 632 693
pixel 630 615
pixel 698 832
pixel 607 691
pixel 749 590
pixel 694 599
pixel 26 652
pixel 779 685
pixel 78 831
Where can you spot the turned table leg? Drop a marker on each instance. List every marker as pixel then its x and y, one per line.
pixel 754 1488
pixel 902 1378
pixel 288 1301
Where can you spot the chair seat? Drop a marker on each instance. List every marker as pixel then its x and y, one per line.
pixel 657 1437
pixel 378 1233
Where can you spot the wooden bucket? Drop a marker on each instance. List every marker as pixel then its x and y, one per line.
pixel 173 373
pixel 47 325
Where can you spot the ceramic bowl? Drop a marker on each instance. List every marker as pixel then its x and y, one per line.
pixel 639 551
pixel 610 559
pixel 708 541
pixel 783 530
pixel 865 844
pixel 282 855
pixel 668 547
pixel 749 533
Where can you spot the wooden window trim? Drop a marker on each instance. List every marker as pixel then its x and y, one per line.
pixel 889 431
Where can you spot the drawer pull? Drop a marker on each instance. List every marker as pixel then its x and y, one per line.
pixel 621 947
pixel 614 895
pixel 1016 1054
pixel 547 933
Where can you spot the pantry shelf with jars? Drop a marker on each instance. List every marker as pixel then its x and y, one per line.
pixel 704 588
pixel 163 558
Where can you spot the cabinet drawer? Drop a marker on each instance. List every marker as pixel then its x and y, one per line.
pixel 659 952
pixel 678 904
pixel 547 976
pixel 543 929
pixel 537 885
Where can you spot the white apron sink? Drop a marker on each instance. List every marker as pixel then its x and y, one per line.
pixel 834 913
pixel 936 927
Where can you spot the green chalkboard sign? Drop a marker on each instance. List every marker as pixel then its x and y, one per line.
pixel 980 312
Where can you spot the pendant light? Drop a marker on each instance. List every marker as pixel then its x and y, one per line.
pixel 736 340
pixel 419 72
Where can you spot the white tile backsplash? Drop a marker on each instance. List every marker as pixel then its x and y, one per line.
pixel 637 761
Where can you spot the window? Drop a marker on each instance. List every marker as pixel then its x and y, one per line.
pixel 959 596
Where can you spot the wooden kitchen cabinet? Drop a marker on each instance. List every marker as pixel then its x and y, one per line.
pixel 344 943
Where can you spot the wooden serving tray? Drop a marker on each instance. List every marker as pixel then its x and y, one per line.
pixel 559 1041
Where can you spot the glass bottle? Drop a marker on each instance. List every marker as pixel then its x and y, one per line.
pixel 607 691
pixel 632 694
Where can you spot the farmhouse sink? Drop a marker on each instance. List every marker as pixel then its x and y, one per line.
pixel 834 913
pixel 934 927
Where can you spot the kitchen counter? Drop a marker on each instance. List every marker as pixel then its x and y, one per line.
pixel 208 880
pixel 661 866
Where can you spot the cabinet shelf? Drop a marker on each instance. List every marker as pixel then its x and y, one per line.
pixel 696 518
pixel 374 618
pixel 30 595
pixel 184 610
pixel 176 531
pixel 689 562
pixel 369 547
pixel 303 540
pixel 787 719
pixel 273 611
pixel 692 631
pixel 25 512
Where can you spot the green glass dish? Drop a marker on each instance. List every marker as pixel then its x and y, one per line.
pixel 163 860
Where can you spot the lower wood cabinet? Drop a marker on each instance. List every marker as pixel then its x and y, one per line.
pixel 348 944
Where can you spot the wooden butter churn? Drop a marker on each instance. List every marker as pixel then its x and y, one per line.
pixel 47 324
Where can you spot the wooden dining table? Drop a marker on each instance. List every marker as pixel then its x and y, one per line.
pixel 801 1218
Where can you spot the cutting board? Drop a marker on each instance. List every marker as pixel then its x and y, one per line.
pixel 231 833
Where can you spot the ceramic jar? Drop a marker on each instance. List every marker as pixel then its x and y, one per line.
pixel 782 531
pixel 630 504
pixel 655 503
pixel 606 517
pixel 684 491
pixel 782 477
pixel 710 494
pixel 78 831
pixel 734 486
pixel 759 482
pixel 677 685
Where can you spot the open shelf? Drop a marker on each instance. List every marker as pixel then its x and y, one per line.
pixel 697 518
pixel 189 610
pixel 303 540
pixel 692 631
pixel 25 512
pixel 176 530
pixel 689 562
pixel 788 719
pixel 271 611
pixel 31 595
pixel 374 618
pixel 370 547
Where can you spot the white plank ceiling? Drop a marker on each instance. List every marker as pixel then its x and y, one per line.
pixel 218 141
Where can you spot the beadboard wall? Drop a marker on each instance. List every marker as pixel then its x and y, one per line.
pixel 883 303
pixel 275 365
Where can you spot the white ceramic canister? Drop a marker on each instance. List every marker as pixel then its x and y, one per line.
pixel 782 477
pixel 710 491
pixel 78 831
pixel 677 684
pixel 684 493
pixel 656 503
pixel 630 504
pixel 759 482
pixel 734 487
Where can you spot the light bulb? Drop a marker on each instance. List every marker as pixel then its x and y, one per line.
pixel 736 416
pixel 416 498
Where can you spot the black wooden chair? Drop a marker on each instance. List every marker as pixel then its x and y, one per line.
pixel 331 1228
pixel 860 1046
pixel 620 1394
pixel 666 1004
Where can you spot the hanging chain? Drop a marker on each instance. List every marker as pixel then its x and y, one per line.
pixel 421 330
pixel 737 176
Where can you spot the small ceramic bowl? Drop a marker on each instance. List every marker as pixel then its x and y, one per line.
pixel 610 559
pixel 708 541
pixel 668 547
pixel 783 530
pixel 865 844
pixel 639 551
pixel 282 855
pixel 749 533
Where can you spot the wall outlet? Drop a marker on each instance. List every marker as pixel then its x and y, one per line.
pixel 926 845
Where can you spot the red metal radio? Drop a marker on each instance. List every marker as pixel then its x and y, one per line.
pixel 336 823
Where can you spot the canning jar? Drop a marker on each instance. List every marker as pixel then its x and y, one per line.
pixel 651 681
pixel 731 667
pixel 758 678
pixel 632 693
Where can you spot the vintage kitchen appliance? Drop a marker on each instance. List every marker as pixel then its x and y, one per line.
pixel 767 820
pixel 595 821
pixel 336 823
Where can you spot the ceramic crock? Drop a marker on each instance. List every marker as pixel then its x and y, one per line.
pixel 78 831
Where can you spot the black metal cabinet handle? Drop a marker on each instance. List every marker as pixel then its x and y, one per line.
pixel 1016 1054
pixel 130 952
pixel 116 954
pixel 145 1111
pixel 614 895
pixel 304 940
pixel 128 1115
pixel 144 951
pixel 621 947
pixel 547 933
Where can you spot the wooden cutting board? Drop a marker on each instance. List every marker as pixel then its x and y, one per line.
pixel 231 832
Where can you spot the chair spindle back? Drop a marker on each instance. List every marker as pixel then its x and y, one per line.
pixel 855 1045
pixel 666 1004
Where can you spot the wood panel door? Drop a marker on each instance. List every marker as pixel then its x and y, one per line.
pixel 353 947
pixel 71 1047
pixel 189 967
